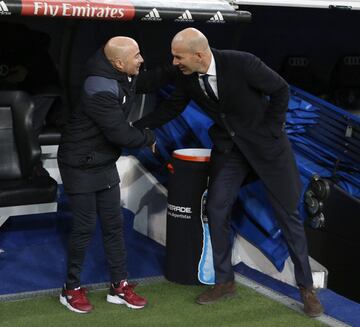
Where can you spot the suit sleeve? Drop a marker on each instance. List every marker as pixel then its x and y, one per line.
pixel 166 111
pixel 264 79
pixel 104 109
pixel 154 79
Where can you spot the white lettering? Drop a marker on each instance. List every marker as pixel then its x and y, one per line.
pixel 66 7
pixel 107 11
pixel 53 10
pixel 45 8
pixel 179 209
pixel 100 13
pixel 121 12
pixel 37 6
pixel 113 12
pixel 86 11
pixel 179 215
pixel 78 11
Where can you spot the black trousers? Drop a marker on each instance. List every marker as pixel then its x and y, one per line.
pixel 227 173
pixel 86 207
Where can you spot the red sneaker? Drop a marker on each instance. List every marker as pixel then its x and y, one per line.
pixel 76 300
pixel 124 294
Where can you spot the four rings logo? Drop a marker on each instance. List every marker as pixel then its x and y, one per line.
pixel 4 10
pixel 153 15
pixel 185 17
pixel 217 18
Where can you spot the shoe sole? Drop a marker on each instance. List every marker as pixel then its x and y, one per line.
pixel 314 315
pixel 114 299
pixel 226 296
pixel 64 302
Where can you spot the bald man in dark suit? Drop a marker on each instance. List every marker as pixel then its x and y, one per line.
pixel 247 102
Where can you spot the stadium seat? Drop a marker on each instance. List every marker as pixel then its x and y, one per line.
pixel 345 83
pixel 25 186
pixel 299 71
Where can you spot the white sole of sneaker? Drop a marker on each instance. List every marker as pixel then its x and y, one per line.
pixel 64 302
pixel 118 300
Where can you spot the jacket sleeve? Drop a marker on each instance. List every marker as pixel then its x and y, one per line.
pixel 154 79
pixel 267 81
pixel 165 112
pixel 105 110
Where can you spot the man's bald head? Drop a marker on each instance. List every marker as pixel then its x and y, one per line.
pixel 117 47
pixel 124 55
pixel 192 39
pixel 191 51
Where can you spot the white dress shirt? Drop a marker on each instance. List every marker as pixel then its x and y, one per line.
pixel 212 77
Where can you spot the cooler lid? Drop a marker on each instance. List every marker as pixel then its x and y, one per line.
pixel 195 154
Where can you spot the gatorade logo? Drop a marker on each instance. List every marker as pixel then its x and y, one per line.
pixel 97 9
pixel 179 209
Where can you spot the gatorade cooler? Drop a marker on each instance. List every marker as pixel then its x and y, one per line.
pixel 188 247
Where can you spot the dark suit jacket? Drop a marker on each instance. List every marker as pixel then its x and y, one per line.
pixel 251 112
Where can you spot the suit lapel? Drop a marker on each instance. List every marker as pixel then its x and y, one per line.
pixel 220 77
pixel 198 94
pixel 195 85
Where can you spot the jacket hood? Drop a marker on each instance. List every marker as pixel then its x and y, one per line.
pixel 98 65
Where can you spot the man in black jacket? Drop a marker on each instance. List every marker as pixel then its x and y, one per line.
pixel 247 102
pixel 90 146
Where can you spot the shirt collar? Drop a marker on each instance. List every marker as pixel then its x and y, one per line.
pixel 212 68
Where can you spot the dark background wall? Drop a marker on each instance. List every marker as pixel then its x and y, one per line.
pixel 322 35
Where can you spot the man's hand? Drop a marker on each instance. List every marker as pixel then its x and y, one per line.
pixel 153 147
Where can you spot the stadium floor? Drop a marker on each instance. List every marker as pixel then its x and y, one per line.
pixel 34 261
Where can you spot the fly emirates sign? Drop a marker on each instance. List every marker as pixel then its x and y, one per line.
pixel 107 9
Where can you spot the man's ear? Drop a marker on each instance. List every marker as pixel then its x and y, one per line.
pixel 119 64
pixel 199 55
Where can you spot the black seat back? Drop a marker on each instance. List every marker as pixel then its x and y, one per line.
pixel 346 82
pixel 19 149
pixel 298 71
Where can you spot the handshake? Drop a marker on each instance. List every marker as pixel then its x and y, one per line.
pixel 152 142
pixel 150 136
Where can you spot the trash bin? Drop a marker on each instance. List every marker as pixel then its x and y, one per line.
pixel 188 247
